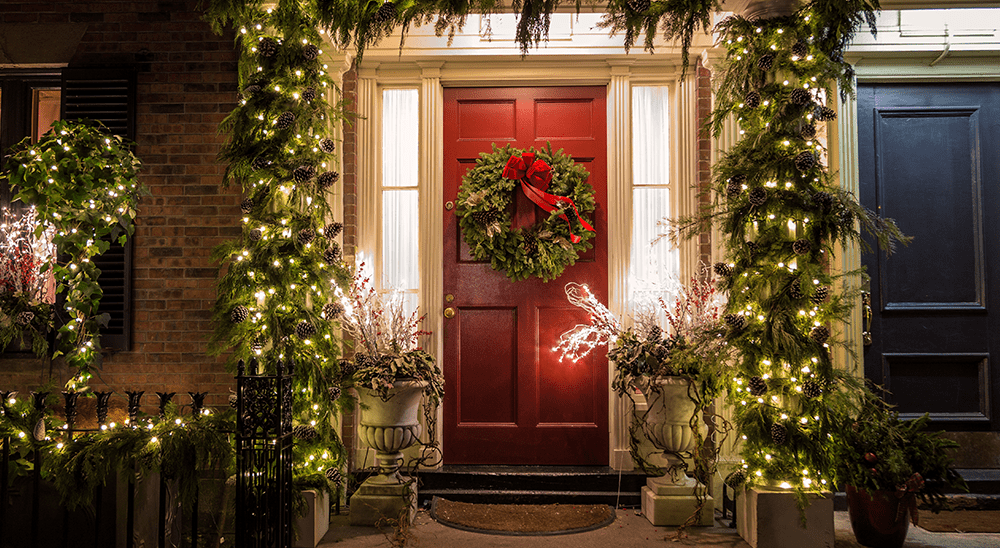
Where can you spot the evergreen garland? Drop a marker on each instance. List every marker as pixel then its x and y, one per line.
pixel 788 397
pixel 277 277
pixel 543 250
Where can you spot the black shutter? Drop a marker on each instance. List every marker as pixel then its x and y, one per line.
pixel 107 95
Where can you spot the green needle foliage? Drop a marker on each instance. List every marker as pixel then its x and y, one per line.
pixel 279 288
pixel 84 182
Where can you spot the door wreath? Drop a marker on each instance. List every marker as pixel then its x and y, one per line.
pixel 554 183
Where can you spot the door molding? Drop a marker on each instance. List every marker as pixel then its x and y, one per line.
pixel 431 76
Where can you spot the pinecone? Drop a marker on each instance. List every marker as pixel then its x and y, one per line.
pixel 304 330
pixel 758 196
pixel 286 120
pixel 332 253
pixel 801 246
pixel 824 200
pixel 808 132
pixel 252 89
pixel 819 296
pixel 820 334
pixel 766 62
pixel 334 393
pixel 239 314
pixel 753 247
pixel 530 245
pixel 310 52
pixel 260 163
pixel 779 434
pixel 334 476
pixel 256 234
pixel 638 6
pixel 795 290
pixel 661 352
pixel 811 389
pixel 737 478
pixel 246 206
pixel 805 161
pixel 736 321
pixel 654 333
pixel 757 385
pixel 331 230
pixel 327 145
pixel 752 100
pixel 304 174
pixel 800 49
pixel 733 189
pixel 306 236
pixel 304 432
pixel 232 403
pixel 385 13
pixel 800 96
pixel 267 47
pixel 485 218
pixel 332 310
pixel 309 94
pixel 723 269
pixel 347 369
pixel 24 318
pixel 824 114
pixel 326 179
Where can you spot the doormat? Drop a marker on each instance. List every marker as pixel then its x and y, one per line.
pixel 522 519
pixel 961 521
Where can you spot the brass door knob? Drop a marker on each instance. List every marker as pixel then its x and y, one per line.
pixel 449 312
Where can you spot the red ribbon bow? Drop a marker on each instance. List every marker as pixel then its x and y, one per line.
pixel 535 176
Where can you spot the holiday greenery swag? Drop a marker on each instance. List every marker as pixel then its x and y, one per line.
pixel 83 185
pixel 880 452
pixel 277 294
pixel 553 182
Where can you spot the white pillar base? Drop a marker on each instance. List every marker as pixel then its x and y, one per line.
pixel 665 503
pixel 316 522
pixel 771 519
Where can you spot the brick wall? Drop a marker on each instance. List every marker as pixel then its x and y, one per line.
pixel 186 85
pixel 704 156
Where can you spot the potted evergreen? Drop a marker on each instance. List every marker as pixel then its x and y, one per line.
pixel 887 465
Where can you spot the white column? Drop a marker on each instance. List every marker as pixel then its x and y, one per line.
pixel 367 173
pixel 431 211
pixel 843 147
pixel 619 237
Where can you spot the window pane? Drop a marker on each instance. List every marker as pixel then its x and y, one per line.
pixel 654 267
pixel 650 136
pixel 45 110
pixel 400 226
pixel 400 128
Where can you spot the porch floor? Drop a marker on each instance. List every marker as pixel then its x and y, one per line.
pixel 629 529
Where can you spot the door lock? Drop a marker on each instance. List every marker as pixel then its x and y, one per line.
pixel 866 311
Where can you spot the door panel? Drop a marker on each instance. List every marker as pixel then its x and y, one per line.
pixel 512 401
pixel 928 156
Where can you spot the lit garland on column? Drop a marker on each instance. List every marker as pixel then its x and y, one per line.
pixel 783 216
pixel 276 297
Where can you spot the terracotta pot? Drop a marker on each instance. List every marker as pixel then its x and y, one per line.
pixel 880 519
pixel 762 9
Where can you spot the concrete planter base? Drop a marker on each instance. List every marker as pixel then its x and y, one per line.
pixel 771 519
pixel 382 498
pixel 664 504
pixel 312 526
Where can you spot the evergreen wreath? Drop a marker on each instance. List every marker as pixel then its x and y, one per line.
pixel 544 249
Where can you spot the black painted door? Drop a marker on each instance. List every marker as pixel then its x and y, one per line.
pixel 929 157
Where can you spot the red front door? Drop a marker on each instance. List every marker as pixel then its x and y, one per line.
pixel 510 400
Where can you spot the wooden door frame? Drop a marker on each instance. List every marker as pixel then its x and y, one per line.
pixel 431 76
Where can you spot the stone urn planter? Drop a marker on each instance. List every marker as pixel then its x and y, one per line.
pixel 389 427
pixel 880 519
pixel 762 9
pixel 672 498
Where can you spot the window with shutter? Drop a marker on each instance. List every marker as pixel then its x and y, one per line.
pixel 107 95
